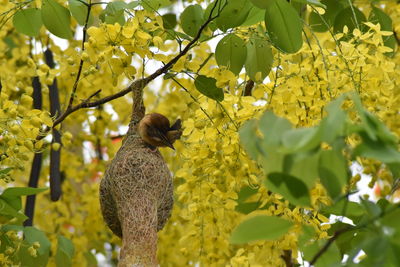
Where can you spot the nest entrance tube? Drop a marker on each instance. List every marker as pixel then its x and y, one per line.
pixel 136 193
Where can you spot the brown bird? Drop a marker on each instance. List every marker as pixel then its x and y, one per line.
pixel 155 130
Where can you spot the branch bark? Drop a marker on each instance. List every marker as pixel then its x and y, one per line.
pixel 138 84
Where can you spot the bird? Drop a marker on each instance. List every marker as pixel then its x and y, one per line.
pixel 155 130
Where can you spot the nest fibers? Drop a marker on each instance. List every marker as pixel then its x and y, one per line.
pixel 136 197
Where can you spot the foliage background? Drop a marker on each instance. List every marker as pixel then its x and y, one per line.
pixel 216 183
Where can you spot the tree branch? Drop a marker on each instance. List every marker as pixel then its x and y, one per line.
pixel 328 244
pixel 139 83
pixel 75 86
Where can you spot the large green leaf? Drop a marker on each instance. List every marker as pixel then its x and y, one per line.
pixel 284 26
pixel 234 14
pixel 255 15
pixel 311 2
pixel 333 125
pixel 9 211
pixel 301 139
pixel 290 187
pixel 192 19
pixel 33 235
pixel 57 19
pixel 169 20
pixel 377 150
pixel 79 11
pixel 352 17
pixel 13 195
pixel 28 21
pixel 321 23
pixel 378 16
pixel 343 207
pixel 259 59
pixel 207 87
pixel 303 166
pixel 21 191
pixel 272 127
pixel 231 52
pixel 154 5
pixel 333 172
pixel 114 13
pixel 249 139
pixel 65 251
pixel 263 4
pixel 260 227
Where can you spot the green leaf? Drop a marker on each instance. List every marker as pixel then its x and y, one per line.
pixel 333 172
pixel 234 14
pixel 246 192
pixel 263 4
pixel 57 19
pixel 10 212
pixel 259 59
pixel 114 13
pixel 216 10
pixel 321 23
pixel 13 195
pixel 301 139
pixel 352 210
pixel 378 16
pixel 91 260
pixel 192 19
pixel 65 251
pixel 154 5
pixel 303 166
pixel 169 21
pixel 334 124
pixel 273 127
pixel 231 52
pixel 255 15
pixel 133 4
pixel 249 139
pixel 311 2
pixel 283 26
pixel 79 12
pixel 5 171
pixel 350 19
pixel 377 249
pixel 247 207
pixel 377 150
pixel 260 227
pixel 33 235
pixel 372 209
pixel 21 191
pixel 207 87
pixel 116 6
pixel 28 21
pixel 290 187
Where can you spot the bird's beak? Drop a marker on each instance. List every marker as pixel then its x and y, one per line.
pixel 171 146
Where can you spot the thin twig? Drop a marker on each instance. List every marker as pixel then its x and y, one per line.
pixel 328 244
pixel 139 83
pixel 75 86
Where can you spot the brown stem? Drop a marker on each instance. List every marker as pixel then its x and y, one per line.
pixel 328 244
pixel 139 84
pixel 75 86
pixel 248 88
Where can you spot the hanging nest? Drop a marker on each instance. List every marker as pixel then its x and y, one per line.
pixel 136 194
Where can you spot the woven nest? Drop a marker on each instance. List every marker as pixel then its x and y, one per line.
pixel 136 197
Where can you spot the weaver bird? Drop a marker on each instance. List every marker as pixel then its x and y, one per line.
pixel 156 131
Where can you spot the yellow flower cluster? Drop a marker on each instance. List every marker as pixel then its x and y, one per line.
pixel 210 166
